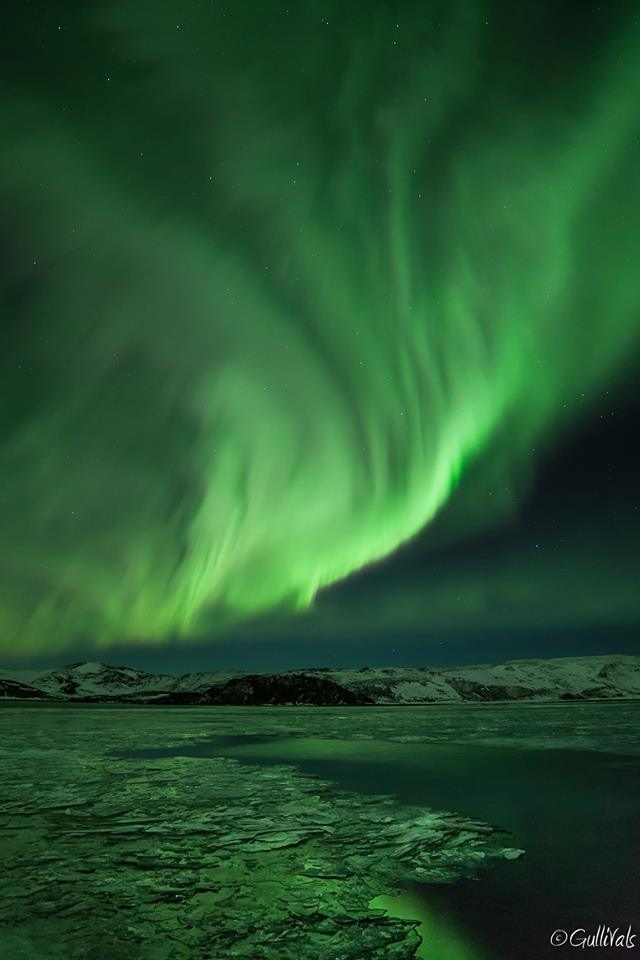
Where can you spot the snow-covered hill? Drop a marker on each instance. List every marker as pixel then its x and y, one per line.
pixel 570 678
pixel 91 679
pixel 602 677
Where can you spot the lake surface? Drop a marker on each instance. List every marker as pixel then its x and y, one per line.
pixel 575 813
pixel 563 779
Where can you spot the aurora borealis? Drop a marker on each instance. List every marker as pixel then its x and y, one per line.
pixel 278 281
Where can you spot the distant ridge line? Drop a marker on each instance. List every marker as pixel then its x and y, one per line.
pixel 592 678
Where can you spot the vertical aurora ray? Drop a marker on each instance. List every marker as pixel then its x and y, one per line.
pixel 282 281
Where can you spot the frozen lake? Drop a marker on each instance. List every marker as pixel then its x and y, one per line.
pixel 193 833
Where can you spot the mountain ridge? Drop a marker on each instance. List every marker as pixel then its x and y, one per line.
pixel 601 677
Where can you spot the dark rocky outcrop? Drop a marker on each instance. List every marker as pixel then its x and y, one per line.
pixel 290 688
pixel 590 693
pixel 171 697
pixel 13 690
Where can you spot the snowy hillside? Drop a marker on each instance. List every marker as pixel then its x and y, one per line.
pixel 92 679
pixel 570 678
pixel 602 677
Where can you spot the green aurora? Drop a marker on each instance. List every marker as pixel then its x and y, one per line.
pixel 276 279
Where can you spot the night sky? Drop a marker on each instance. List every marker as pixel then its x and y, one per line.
pixel 321 332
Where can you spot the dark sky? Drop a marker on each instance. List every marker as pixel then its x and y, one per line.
pixel 321 332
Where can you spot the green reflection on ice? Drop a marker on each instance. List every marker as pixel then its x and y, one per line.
pixel 441 939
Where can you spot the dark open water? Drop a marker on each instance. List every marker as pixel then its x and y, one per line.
pixel 575 811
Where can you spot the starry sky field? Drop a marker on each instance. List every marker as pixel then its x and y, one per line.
pixel 321 331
